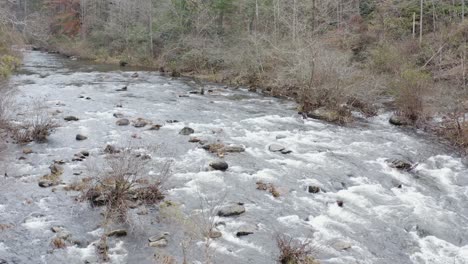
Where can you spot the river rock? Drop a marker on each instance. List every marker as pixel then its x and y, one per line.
pixel 118 115
pixel 123 122
pixel 44 183
pixel 186 131
pixel 140 122
pixel 399 120
pixel 234 149
pixel 109 149
pixel 160 243
pixel 27 151
pixel 155 127
pixel 71 118
pixel 400 164
pixel 135 75
pixel 194 140
pixel 81 137
pixel 246 230
pixel 158 237
pixel 276 148
pixel 231 210
pixel 215 234
pixel 85 153
pixel 123 89
pixel 56 169
pixel 280 136
pixel 314 189
pixel 324 114
pixel 117 233
pixel 219 165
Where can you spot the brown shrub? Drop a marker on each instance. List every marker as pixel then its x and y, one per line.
pixel 293 251
pixel 124 179
pixel 58 243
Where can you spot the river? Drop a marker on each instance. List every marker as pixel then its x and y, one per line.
pixel 388 216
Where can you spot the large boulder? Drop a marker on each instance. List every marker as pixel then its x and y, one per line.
pixel 231 210
pixel 324 114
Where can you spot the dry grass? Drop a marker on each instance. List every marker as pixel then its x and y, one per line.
pixel 293 251
pixel 37 125
pixel 268 187
pixel 58 243
pixel 124 179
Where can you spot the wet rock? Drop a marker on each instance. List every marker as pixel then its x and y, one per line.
pixel 85 153
pixel 235 149
pixel 88 98
pixel 342 245
pixel 340 203
pixel 22 158
pixel 45 183
pixel 56 169
pixel 160 240
pixel 194 140
pixel 140 122
pixel 276 148
pixel 186 131
pixel 135 75
pixel 117 233
pixel 231 210
pixel 172 121
pixel 324 114
pixel 399 120
pixel 183 95
pixel 246 230
pixel 57 229
pixel 118 115
pixel 109 149
pixel 123 89
pixel 81 137
pixel 400 164
pixel 71 118
pixel 219 165
pixel 286 151
pixel 27 151
pixel 123 122
pixel 313 189
pixel 155 127
pixel 215 234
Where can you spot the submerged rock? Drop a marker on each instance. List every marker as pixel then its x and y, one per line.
pixel 215 233
pixel 118 115
pixel 276 148
pixel 186 131
pixel 231 210
pixel 71 118
pixel 219 165
pixel 123 89
pixel 155 127
pixel 81 137
pixel 234 149
pixel 123 122
pixel 246 230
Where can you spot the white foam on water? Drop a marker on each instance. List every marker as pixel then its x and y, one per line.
pixel 35 223
pixel 230 237
pixel 437 251
pixel 87 254
pixel 118 254
pixel 3 247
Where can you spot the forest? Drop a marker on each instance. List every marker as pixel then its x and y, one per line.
pixel 251 131
pixel 333 57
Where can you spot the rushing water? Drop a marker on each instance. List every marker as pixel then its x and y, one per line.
pixel 423 221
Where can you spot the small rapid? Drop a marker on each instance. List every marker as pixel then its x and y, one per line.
pixel 387 215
